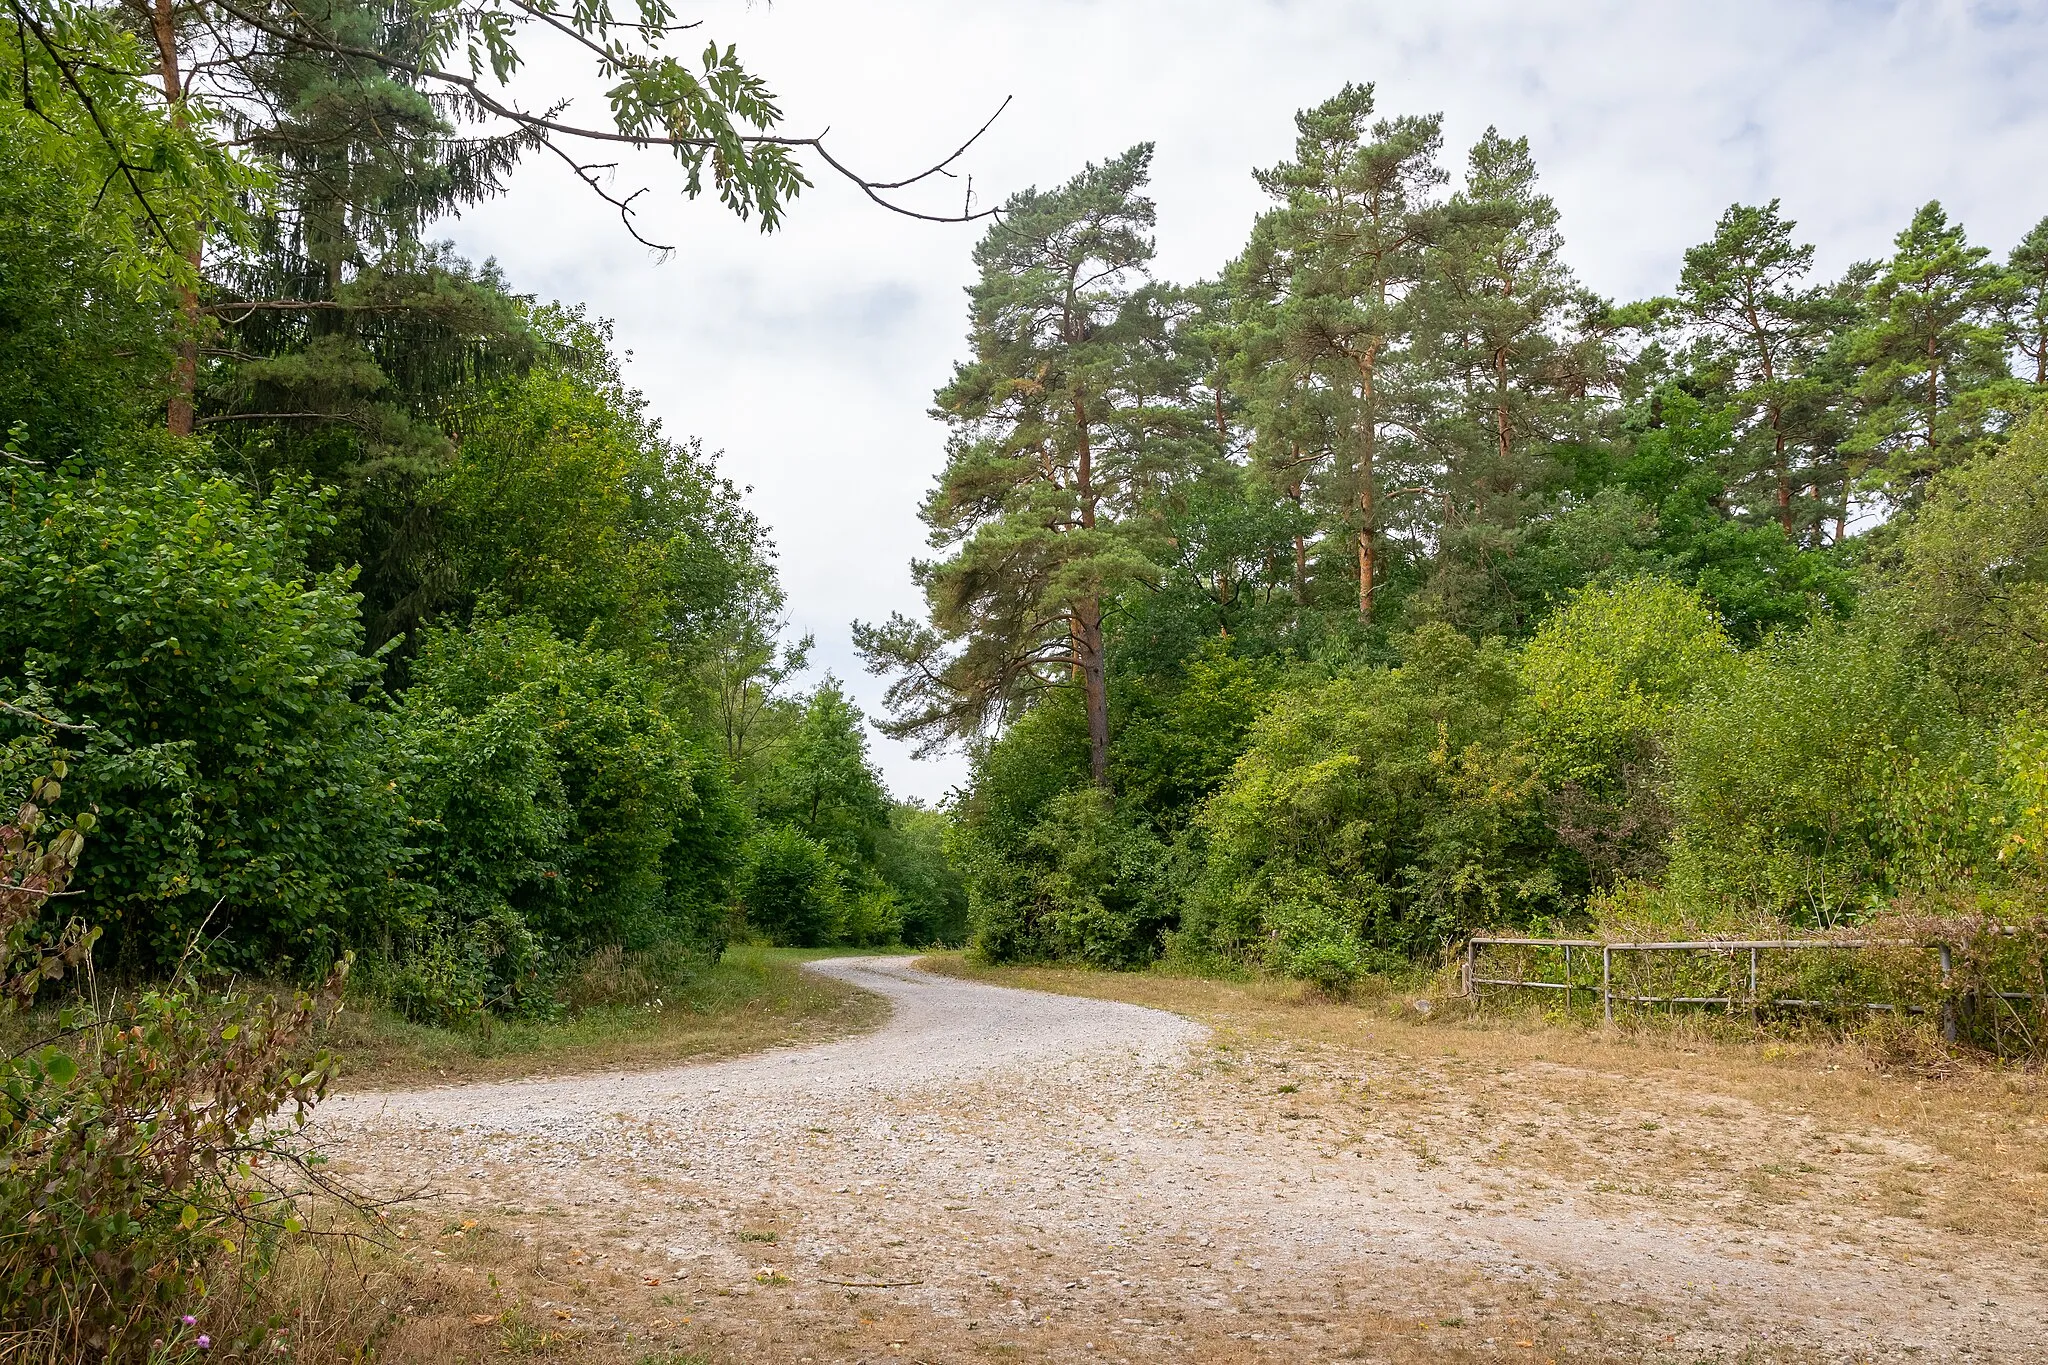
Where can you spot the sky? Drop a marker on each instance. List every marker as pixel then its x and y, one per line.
pixel 809 355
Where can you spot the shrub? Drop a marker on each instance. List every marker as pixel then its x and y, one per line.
pixel 237 771
pixel 1097 875
pixel 1397 803
pixel 1825 775
pixel 791 889
pixel 1609 669
pixel 560 808
pixel 136 1151
pixel 871 919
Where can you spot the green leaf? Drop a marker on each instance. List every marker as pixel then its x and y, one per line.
pixel 59 1067
pixel 189 1219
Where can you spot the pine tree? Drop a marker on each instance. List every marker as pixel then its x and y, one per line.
pixel 2026 316
pixel 1505 371
pixel 1761 338
pixel 1053 464
pixel 1325 292
pixel 1934 385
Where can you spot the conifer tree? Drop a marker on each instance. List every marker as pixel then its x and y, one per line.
pixel 1762 339
pixel 1325 292
pixel 1934 384
pixel 2026 317
pixel 1505 369
pixel 1046 501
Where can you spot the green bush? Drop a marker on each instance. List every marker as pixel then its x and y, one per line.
pixel 1395 804
pixel 1608 669
pixel 792 889
pixel 1828 773
pixel 560 809
pixel 872 918
pixel 242 780
pixel 1098 879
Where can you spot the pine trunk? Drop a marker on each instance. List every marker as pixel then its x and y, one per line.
pixel 1368 549
pixel 1784 473
pixel 1094 686
pixel 185 374
pixel 1087 616
pixel 1300 545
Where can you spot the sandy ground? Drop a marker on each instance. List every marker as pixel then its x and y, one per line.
pixel 1006 1175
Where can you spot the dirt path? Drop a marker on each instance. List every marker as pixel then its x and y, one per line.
pixel 1000 1174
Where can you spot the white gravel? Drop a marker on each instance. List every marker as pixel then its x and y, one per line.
pixel 1037 1173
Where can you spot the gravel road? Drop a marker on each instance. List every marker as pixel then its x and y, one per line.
pixel 1003 1174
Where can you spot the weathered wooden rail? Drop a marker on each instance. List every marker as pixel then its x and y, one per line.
pixel 1741 994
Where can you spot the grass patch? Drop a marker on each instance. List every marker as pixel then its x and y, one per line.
pixel 752 998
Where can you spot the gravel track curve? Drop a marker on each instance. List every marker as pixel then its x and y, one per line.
pixel 1004 1174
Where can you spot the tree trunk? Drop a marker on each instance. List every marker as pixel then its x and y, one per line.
pixel 1368 435
pixel 1087 615
pixel 185 374
pixel 1367 551
pixel 1933 394
pixel 1300 544
pixel 1784 473
pixel 1094 686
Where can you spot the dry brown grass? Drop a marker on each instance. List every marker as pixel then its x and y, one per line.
pixel 1673 1113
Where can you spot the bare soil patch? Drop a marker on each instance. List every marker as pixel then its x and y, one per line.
pixel 1003 1175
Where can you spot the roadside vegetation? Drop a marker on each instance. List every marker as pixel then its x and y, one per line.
pixel 386 698
pixel 1389 585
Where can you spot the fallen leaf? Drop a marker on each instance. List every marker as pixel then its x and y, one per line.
pixel 482 1319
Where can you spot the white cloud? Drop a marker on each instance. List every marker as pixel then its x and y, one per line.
pixel 810 355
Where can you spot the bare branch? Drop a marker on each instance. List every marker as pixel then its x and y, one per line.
pixel 546 124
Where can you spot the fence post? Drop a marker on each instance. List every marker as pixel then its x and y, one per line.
pixel 1948 996
pixel 1471 958
pixel 1607 982
pixel 1567 980
pixel 1753 1002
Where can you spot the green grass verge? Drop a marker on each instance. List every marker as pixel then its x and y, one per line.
pixel 753 998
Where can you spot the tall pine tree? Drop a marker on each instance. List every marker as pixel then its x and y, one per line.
pixel 1325 291
pixel 1761 338
pixel 1047 499
pixel 1506 372
pixel 1934 386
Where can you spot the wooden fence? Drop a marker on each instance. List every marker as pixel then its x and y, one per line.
pixel 1738 984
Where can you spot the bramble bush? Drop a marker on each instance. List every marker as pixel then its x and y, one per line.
pixel 140 1152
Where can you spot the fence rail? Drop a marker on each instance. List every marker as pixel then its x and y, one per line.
pixel 1750 994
